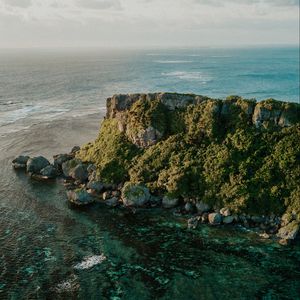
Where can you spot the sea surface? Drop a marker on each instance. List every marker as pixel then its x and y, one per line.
pixel 46 84
pixel 51 100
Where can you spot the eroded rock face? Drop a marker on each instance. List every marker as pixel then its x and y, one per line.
pixel 36 164
pixel 69 165
pixel 290 231
pixel 262 115
pixel 146 137
pixel 268 111
pixel 135 195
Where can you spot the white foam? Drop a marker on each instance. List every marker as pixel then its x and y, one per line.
pixel 69 285
pixel 90 261
pixel 196 76
pixel 173 61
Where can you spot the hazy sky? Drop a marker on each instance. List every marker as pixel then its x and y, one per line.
pixel 142 23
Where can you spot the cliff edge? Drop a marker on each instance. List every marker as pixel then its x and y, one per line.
pixel 235 153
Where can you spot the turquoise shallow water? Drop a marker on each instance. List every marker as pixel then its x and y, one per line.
pixel 148 255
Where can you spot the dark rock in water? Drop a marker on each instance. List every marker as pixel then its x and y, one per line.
pixel 202 207
pixel 36 164
pixel 135 195
pixel 95 186
pixel 75 149
pixel 49 172
pixel 215 218
pixel 228 219
pixel 189 207
pixel 112 202
pixel 193 222
pixel 80 197
pixel 155 201
pixel 69 165
pixel 20 162
pixel 290 231
pixel 59 159
pixel 169 202
pixel 79 173
pixel 204 218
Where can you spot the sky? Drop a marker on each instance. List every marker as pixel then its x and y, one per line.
pixel 147 23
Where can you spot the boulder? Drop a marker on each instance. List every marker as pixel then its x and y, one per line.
pixel 135 195
pixel 228 219
pixel 189 207
pixel 215 218
pixel 36 164
pixel 20 162
pixel 49 172
pixel 69 165
pixel 169 202
pixel 290 231
pixel 59 159
pixel 95 186
pixel 80 197
pixel 225 212
pixel 79 173
pixel 202 207
pixel 112 202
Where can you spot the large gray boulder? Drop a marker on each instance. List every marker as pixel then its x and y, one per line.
pixel 80 197
pixel 49 172
pixel 215 218
pixel 95 186
pixel 20 162
pixel 80 173
pixel 36 164
pixel 69 165
pixel 290 231
pixel 135 195
pixel 169 202
pixel 202 207
pixel 59 159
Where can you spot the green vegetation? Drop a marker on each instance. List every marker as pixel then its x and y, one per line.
pixel 210 152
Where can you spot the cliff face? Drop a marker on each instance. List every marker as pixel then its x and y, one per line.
pixel 235 152
pixel 265 114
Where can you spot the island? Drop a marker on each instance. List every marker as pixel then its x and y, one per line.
pixel 232 161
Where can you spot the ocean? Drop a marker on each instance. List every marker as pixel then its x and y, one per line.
pixel 51 100
pixel 44 84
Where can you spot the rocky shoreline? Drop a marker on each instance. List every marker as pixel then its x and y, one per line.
pixel 220 162
pixel 83 188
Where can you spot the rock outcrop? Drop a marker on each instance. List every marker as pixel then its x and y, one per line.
pixel 261 115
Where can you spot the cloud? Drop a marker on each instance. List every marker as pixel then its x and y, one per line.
pixel 99 4
pixel 249 2
pixel 17 3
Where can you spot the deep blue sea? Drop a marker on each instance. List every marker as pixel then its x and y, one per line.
pixel 43 84
pixel 52 100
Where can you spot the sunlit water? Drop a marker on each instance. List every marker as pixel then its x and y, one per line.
pixel 39 85
pixel 50 250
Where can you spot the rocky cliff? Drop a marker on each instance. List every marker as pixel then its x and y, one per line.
pixel 237 153
pixel 265 114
